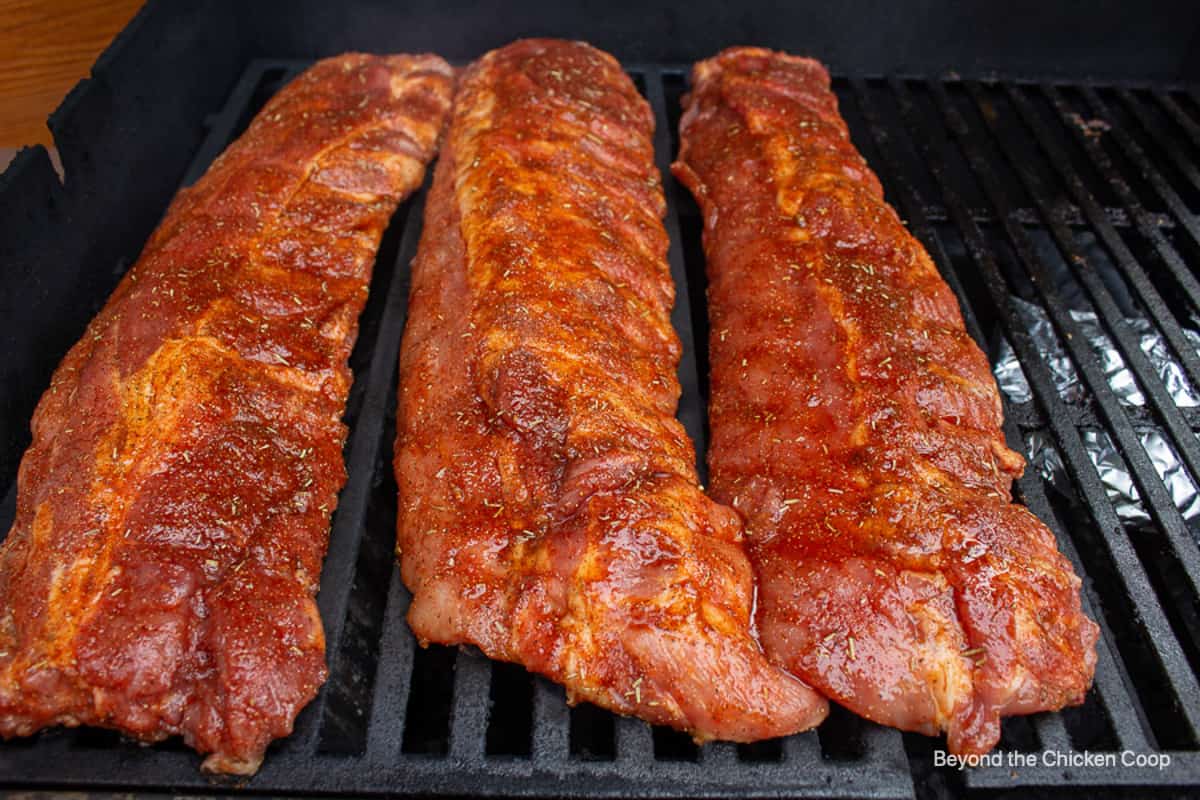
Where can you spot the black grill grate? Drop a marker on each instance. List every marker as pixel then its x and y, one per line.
pixel 1071 197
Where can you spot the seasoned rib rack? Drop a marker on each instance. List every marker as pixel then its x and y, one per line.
pixel 173 509
pixel 549 510
pixel 857 427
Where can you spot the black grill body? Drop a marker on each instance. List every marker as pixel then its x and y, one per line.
pixel 1067 193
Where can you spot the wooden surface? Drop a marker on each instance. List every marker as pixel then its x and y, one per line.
pixel 45 49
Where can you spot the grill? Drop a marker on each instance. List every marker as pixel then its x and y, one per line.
pixel 1066 197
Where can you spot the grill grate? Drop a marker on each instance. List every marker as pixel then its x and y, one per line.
pixel 1071 197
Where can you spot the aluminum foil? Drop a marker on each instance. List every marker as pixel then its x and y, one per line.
pixel 1110 465
pixel 1114 472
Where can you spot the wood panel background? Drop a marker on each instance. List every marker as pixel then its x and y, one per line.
pixel 45 49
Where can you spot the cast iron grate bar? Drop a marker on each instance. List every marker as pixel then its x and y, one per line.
pixel 1070 214
pixel 1178 208
pixel 469 714
pixel 1167 254
pixel 440 721
pixel 551 724
pixel 1176 112
pixel 1149 297
pixel 389 707
pixel 1161 139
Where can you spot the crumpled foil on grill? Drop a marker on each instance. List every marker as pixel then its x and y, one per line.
pixel 1110 465
pixel 1114 473
pixel 1011 378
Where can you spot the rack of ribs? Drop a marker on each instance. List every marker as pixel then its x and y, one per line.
pixel 173 509
pixel 857 428
pixel 549 508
